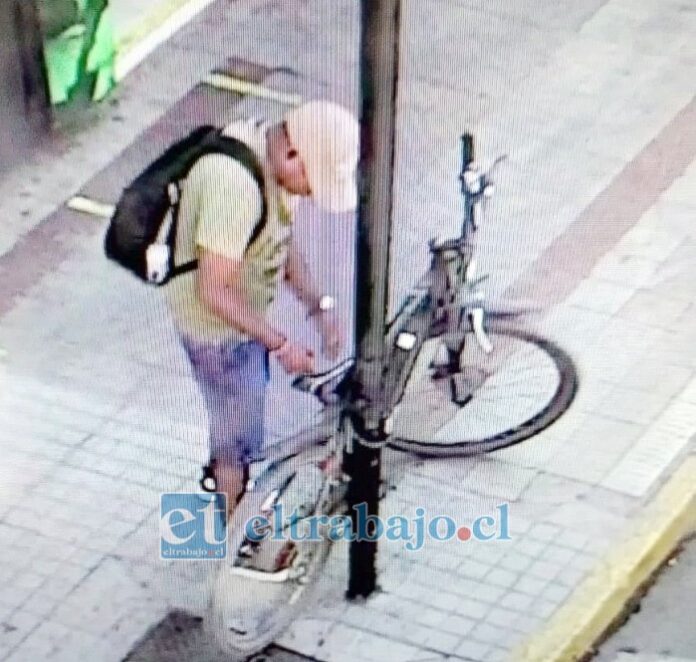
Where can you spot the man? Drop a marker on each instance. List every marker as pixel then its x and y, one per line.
pixel 220 308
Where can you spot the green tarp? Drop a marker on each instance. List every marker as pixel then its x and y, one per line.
pixel 79 49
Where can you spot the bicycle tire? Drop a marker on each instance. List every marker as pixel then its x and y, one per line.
pixel 266 596
pixel 557 405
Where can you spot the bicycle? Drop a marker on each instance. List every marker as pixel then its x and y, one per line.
pixel 437 385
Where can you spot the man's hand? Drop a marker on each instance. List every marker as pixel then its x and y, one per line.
pixel 295 359
pixel 331 332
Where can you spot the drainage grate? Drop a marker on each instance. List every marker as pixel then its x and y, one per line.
pixel 180 637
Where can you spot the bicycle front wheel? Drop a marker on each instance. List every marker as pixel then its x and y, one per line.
pixel 247 612
pixel 492 401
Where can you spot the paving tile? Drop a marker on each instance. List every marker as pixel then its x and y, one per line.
pixel 516 563
pixel 532 454
pixel 589 520
pixel 40 605
pixel 501 577
pixel 473 650
pixel 632 405
pixel 502 617
pixel 305 635
pixel 530 585
pixel 471 609
pixel 516 601
pixel 545 570
pixel 473 569
pixel 600 295
pixel 497 655
pixel 431 617
pixel 648 308
pixel 495 478
pixel 14 596
pixel 544 532
pixel 656 376
pixel 493 635
pixel 572 577
pixel 630 270
pixel 56 587
pixel 442 641
pixel 544 608
pixel 490 553
pixel 28 581
pixel 480 590
pixel 530 548
pixel 528 623
pixel 452 602
pixel 19 626
pixel 444 562
pixel 556 592
pixel 456 625
pixel 575 327
pixel 603 443
pixel 560 555
pixel 392 627
pixel 654 451
pixel 344 643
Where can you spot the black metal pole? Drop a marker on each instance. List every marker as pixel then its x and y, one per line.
pixel 26 114
pixel 379 65
pixel 34 77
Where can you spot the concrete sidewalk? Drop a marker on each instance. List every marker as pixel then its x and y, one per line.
pixel 99 413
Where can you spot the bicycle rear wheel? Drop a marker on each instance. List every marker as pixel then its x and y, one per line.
pixel 491 402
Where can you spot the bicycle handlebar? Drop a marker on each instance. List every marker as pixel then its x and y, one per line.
pixel 475 184
pixel 325 383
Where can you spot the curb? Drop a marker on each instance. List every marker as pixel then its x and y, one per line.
pixel 602 596
pixel 155 28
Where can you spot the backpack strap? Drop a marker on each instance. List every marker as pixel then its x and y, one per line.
pixel 216 143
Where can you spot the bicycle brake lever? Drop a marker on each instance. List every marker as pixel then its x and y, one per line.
pixel 487 183
pixel 496 163
pixel 484 342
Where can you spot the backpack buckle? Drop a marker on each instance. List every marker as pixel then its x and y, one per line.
pixel 157 263
pixel 173 193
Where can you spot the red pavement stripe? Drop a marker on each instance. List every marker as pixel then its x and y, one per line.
pixel 571 256
pixel 548 280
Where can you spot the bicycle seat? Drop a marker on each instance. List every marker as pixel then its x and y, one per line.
pixel 325 383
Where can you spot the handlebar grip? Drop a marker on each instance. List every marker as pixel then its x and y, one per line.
pixel 467 150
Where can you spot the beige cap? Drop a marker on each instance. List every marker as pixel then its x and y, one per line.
pixel 327 138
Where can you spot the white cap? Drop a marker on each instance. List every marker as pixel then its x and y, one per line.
pixel 327 138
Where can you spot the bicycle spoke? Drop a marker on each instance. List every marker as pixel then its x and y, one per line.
pixel 510 393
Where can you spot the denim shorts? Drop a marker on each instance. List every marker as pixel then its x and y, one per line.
pixel 232 378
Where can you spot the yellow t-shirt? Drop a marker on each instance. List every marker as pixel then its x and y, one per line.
pixel 220 206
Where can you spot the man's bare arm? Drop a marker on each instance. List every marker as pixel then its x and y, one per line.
pixel 217 277
pixel 299 277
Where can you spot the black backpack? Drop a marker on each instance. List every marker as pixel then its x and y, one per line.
pixel 142 232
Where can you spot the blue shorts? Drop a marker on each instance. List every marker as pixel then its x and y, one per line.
pixel 232 378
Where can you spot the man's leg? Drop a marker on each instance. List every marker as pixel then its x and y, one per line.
pixel 231 479
pixel 239 438
pixel 233 381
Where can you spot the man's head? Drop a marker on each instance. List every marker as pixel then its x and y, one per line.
pixel 314 152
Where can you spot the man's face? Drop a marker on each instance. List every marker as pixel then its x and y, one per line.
pixel 290 171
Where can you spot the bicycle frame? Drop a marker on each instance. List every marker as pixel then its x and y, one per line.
pixel 437 307
pixel 441 301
